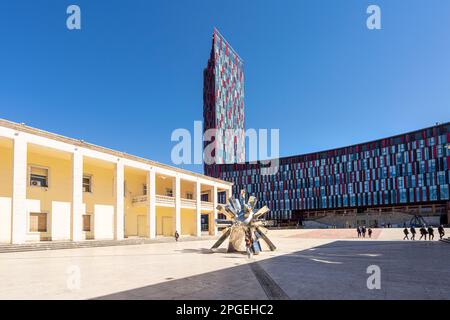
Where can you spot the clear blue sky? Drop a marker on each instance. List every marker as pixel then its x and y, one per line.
pixel 313 69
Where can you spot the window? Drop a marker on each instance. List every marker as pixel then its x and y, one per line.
pixel 38 222
pixel 144 189
pixel 87 183
pixel 189 195
pixel 169 192
pixel 204 197
pixel 39 177
pixel 86 222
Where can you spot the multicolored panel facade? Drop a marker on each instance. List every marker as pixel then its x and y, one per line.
pixel 408 169
pixel 223 102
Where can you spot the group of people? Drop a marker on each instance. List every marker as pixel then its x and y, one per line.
pixel 362 232
pixel 424 232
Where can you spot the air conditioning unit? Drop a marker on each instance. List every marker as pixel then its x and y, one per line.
pixel 36 183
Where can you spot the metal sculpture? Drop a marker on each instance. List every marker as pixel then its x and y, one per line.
pixel 241 220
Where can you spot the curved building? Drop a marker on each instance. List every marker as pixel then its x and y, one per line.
pixel 386 181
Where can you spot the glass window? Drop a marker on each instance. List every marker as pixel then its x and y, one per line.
pixel 39 177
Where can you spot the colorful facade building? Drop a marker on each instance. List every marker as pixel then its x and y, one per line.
pixel 223 102
pixel 57 188
pixel 407 173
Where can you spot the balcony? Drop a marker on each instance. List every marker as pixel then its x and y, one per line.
pixel 139 201
pixel 165 201
pixel 188 203
pixel 207 205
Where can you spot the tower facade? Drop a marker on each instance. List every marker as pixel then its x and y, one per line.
pixel 223 105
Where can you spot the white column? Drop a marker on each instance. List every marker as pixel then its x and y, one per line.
pixel 19 196
pixel 198 210
pixel 119 214
pixel 151 205
pixel 214 196
pixel 77 196
pixel 177 205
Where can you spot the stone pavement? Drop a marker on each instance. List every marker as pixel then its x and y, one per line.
pixel 313 267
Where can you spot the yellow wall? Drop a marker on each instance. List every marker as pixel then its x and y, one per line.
pixel 101 201
pixel 162 213
pixel 6 167
pixel 134 182
pixel 162 184
pixel 185 187
pixel 54 200
pixel 188 222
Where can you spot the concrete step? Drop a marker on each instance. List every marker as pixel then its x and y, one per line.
pixel 60 245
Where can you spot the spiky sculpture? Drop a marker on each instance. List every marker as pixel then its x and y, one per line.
pixel 241 220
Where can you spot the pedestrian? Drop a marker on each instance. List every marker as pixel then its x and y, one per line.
pixel 177 235
pixel 248 245
pixel 406 232
pixel 358 230
pixel 363 230
pixel 413 233
pixel 423 233
pixel 430 233
pixel 370 232
pixel 441 231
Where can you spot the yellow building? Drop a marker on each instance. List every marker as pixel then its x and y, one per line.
pixel 56 188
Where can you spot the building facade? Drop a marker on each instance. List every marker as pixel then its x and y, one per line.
pixel 407 173
pixel 223 102
pixel 57 188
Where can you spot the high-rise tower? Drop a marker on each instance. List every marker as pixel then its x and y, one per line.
pixel 223 103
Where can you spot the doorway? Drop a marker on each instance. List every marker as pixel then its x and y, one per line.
pixel 142 226
pixel 167 224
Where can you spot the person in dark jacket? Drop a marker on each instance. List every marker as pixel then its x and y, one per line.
pixel 358 230
pixel 441 231
pixel 177 235
pixel 413 233
pixel 369 232
pixel 406 232
pixel 423 233
pixel 363 230
pixel 430 233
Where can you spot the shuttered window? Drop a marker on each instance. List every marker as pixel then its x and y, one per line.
pixel 86 222
pixel 38 222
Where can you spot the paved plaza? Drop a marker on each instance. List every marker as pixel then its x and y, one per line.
pixel 308 264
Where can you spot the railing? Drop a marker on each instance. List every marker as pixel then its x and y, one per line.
pixel 188 203
pixel 207 205
pixel 165 200
pixel 139 200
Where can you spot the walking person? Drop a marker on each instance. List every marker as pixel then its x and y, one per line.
pixel 363 231
pixel 369 232
pixel 423 233
pixel 406 232
pixel 358 230
pixel 413 233
pixel 248 245
pixel 441 231
pixel 430 233
pixel 177 235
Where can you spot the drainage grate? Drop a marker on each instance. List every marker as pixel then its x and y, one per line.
pixel 270 287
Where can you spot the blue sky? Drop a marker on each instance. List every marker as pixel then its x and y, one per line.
pixel 134 72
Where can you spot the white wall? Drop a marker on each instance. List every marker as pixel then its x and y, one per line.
pixel 103 222
pixel 5 219
pixel 61 220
